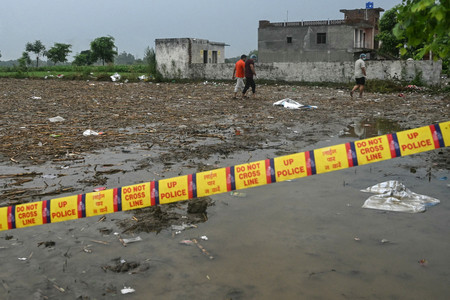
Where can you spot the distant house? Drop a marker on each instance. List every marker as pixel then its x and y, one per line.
pixel 329 40
pixel 178 53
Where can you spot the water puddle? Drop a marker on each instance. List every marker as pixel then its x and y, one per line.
pixel 370 127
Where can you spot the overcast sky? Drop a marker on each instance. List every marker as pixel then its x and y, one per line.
pixel 135 24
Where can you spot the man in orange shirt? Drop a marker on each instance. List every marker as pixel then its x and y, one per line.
pixel 239 73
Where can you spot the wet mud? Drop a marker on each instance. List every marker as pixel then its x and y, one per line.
pixel 223 247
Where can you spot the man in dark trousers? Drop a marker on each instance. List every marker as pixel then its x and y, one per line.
pixel 360 75
pixel 249 73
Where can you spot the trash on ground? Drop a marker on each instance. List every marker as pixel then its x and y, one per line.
pixel 102 188
pixel 115 77
pixel 394 196
pixel 36 98
pixel 204 237
pixel 414 87
pixel 47 244
pixel 22 258
pixel 127 290
pixel 291 104
pixel 143 77
pixel 49 176
pixel 238 194
pixel 56 119
pixel 385 241
pixel 132 240
pixel 182 227
pixel 186 242
pixel 204 251
pixel 423 262
pixel 121 266
pixel 91 132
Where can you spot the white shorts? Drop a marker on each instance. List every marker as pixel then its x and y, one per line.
pixel 239 84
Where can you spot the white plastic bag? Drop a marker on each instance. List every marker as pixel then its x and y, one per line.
pixel 115 77
pixel 292 104
pixel 394 196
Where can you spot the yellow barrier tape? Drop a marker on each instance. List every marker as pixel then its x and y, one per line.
pixel 227 179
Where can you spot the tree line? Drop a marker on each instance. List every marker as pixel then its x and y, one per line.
pixel 102 51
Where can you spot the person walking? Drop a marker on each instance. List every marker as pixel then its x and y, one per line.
pixel 239 74
pixel 249 74
pixel 360 75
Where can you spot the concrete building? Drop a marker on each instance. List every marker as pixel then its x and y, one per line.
pixel 328 40
pixel 176 54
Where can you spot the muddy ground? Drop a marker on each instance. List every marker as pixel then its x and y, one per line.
pixel 149 131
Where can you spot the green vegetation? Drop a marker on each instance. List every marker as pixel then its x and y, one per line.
pixel 127 72
pixel 424 26
pixel 58 53
pixel 37 48
pixel 388 41
pixel 102 48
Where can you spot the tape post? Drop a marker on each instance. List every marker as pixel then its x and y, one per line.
pixel 242 176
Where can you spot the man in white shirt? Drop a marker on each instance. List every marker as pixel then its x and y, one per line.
pixel 360 75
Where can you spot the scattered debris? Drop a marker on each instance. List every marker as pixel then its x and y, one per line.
pixel 99 189
pixel 115 77
pixel 182 227
pixel 132 240
pixel 238 194
pixel 204 251
pixel 143 77
pixel 56 119
pixel 91 132
pixel 186 242
pixel 127 290
pixel 423 262
pixel 121 266
pixel 47 244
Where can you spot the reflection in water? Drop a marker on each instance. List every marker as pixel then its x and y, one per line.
pixel 370 127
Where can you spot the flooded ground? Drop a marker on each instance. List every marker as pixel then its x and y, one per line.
pixel 302 239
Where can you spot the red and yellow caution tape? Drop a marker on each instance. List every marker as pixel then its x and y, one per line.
pixel 227 179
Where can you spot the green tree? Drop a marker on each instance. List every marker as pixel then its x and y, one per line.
pixel 84 58
pixel 253 52
pixel 425 24
pixel 58 53
pixel 125 59
pixel 103 48
pixel 24 61
pixel 389 42
pixel 150 61
pixel 37 48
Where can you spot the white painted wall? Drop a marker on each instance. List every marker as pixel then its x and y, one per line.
pixel 322 71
